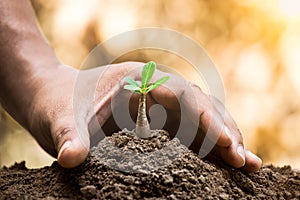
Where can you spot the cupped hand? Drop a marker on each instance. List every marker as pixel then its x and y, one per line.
pixel 65 105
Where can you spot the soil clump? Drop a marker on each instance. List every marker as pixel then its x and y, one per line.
pixel 123 166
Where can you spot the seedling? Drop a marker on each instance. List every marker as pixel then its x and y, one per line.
pixel 142 128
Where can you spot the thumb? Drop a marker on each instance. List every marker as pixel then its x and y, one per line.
pixel 72 144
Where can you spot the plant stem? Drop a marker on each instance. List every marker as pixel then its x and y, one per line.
pixel 142 128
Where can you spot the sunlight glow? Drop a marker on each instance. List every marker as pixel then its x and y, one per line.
pixel 117 19
pixel 291 8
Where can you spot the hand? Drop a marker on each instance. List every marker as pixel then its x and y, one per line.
pixel 61 115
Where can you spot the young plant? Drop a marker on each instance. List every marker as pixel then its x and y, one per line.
pixel 142 128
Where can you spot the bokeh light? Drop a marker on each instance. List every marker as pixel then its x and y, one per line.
pixel 290 8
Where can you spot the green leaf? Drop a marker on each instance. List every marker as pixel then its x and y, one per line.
pixel 147 73
pixel 131 81
pixel 132 88
pixel 157 83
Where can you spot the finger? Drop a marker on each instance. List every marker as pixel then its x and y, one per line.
pixel 72 143
pixel 221 109
pixel 179 95
pixel 237 151
pixel 253 162
pixel 214 127
pixel 211 120
pixel 233 155
pixel 228 155
pixel 237 156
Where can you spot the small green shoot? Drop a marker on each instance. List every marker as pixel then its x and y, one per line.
pixel 147 74
pixel 142 124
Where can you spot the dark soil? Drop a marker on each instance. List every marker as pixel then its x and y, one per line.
pixel 125 167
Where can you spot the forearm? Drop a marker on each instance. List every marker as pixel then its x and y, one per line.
pixel 24 57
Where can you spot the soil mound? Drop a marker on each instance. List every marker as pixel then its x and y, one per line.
pixel 125 167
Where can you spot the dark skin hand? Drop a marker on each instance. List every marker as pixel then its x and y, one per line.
pixel 38 91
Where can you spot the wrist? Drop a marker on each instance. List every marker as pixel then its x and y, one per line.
pixel 26 58
pixel 19 88
pixel 27 64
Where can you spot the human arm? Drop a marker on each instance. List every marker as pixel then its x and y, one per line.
pixel 28 70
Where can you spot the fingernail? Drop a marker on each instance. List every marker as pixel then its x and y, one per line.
pixel 252 155
pixel 241 152
pixel 65 146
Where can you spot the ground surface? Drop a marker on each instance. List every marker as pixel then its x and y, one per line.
pixel 125 167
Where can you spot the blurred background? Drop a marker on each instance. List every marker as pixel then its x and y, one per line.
pixel 254 44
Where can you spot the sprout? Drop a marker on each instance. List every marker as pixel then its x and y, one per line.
pixel 142 128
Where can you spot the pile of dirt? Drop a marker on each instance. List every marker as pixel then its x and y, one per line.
pixel 125 167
